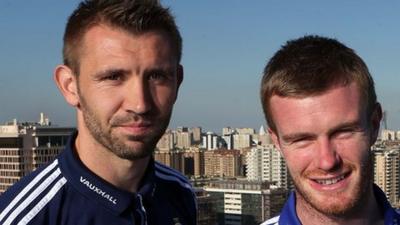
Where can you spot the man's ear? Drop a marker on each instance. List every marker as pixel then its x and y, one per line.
pixel 66 82
pixel 275 139
pixel 376 118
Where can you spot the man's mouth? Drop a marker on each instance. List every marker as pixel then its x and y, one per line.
pixel 330 181
pixel 136 125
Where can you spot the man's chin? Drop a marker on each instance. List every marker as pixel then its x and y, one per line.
pixel 132 147
pixel 135 146
pixel 134 152
pixel 335 204
pixel 134 156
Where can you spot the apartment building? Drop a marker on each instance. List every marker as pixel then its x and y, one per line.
pixel 26 146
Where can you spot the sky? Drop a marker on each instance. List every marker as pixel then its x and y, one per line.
pixel 226 45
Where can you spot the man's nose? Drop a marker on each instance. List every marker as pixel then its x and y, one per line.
pixel 327 158
pixel 137 97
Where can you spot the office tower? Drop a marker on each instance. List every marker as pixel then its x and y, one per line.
pixel 254 164
pixel 166 142
pixel 228 141
pixel 222 163
pixel 241 141
pixel 245 131
pixel 190 162
pixel 227 131
pixel 196 134
pixel 183 139
pixel 242 202
pixel 386 173
pixel 388 135
pixel 26 146
pixel 210 141
pixel 172 158
pixel 265 163
pixel 182 129
pixel 193 162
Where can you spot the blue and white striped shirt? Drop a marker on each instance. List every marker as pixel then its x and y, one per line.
pixel 289 216
pixel 66 192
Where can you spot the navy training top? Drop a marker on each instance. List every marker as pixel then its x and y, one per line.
pixel 66 192
pixel 288 215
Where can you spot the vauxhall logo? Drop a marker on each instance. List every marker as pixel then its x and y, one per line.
pixel 98 190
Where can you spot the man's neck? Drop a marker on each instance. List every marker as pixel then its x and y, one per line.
pixel 368 214
pixel 122 173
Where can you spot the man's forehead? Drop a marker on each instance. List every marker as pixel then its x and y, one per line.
pixel 304 94
pixel 340 103
pixel 103 32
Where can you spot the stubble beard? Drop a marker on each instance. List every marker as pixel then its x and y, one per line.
pixel 145 144
pixel 340 209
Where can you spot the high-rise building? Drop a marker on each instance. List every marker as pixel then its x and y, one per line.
pixel 228 141
pixel 227 131
pixel 183 139
pixel 190 161
pixel 241 141
pixel 242 202
pixel 193 162
pixel 26 146
pixel 389 135
pixel 265 163
pixel 222 163
pixel 210 141
pixel 387 173
pixel 254 164
pixel 246 130
pixel 182 129
pixel 196 134
pixel 172 158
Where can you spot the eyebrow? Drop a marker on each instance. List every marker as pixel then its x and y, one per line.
pixel 346 125
pixel 109 71
pixel 169 70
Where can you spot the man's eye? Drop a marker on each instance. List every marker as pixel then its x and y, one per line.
pixel 159 77
pixel 113 77
pixel 300 142
pixel 344 133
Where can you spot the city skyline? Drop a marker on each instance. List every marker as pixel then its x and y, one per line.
pixel 225 47
pixel 249 172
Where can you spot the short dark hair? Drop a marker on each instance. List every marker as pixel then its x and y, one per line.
pixel 310 66
pixel 133 16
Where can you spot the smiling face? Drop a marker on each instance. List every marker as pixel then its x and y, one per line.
pixel 127 85
pixel 326 141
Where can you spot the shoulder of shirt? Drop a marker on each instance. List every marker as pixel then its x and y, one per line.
pixel 173 181
pixel 167 174
pixel 272 221
pixel 25 199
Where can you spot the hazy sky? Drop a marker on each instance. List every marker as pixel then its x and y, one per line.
pixel 226 45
